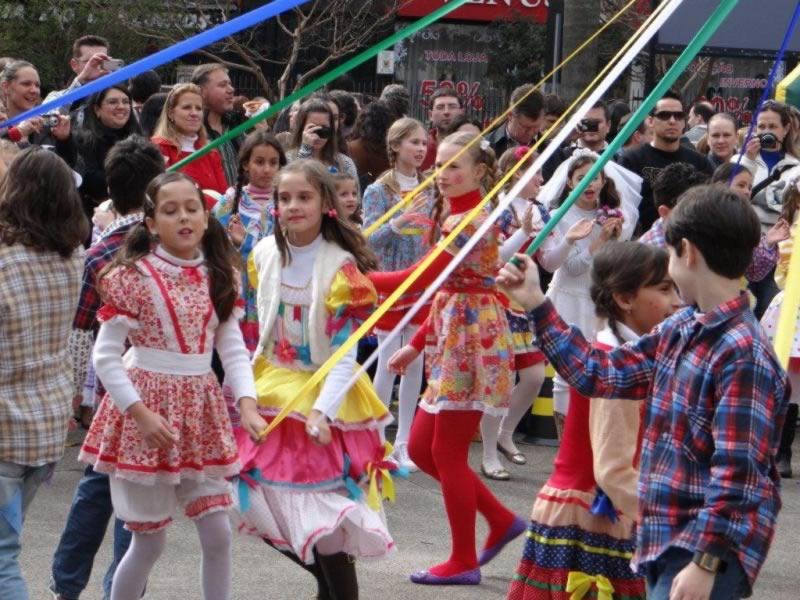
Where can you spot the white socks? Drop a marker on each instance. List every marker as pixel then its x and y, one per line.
pixel 409 383
pixel 525 392
pixel 214 531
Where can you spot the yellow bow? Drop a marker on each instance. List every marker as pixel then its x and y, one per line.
pixel 381 486
pixel 579 583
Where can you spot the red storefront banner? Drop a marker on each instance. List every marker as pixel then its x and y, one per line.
pixel 481 10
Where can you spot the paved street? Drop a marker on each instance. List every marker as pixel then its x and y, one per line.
pixel 417 522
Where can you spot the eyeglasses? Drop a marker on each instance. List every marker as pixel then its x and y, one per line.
pixel 666 115
pixel 117 102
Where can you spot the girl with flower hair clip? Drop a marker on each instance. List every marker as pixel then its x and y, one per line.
pixel 297 490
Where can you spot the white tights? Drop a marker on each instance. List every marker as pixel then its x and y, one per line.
pixel 214 531
pixel 409 383
pixel 494 428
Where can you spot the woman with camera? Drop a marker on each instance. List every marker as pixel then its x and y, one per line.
pixel 180 132
pixel 20 90
pixel 108 119
pixel 771 152
pixel 314 136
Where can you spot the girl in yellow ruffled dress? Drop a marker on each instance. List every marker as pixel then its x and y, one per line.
pixel 298 487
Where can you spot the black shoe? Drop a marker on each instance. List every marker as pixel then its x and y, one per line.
pixel 785 467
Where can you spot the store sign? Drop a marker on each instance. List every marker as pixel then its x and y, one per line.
pixel 482 10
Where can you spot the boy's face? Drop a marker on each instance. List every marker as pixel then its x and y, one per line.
pixel 682 272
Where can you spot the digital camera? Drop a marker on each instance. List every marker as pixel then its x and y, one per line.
pixel 589 126
pixel 768 141
pixel 324 132
pixel 50 119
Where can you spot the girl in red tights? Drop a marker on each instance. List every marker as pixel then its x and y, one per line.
pixel 470 362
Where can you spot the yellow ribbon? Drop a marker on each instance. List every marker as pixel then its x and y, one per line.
pixel 443 244
pixel 787 320
pixel 368 231
pixel 579 584
pixel 376 472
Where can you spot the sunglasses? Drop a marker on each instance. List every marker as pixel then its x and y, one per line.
pixel 666 115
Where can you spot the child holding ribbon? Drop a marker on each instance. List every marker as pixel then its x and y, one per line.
pixel 470 366
pixel 399 243
pixel 298 487
pixel 581 530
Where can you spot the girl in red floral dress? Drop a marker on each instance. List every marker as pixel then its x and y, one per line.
pixel 162 431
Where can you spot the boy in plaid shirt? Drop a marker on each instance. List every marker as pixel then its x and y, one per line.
pixel 130 166
pixel 708 490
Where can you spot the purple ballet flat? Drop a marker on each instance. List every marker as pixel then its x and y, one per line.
pixel 472 577
pixel 516 529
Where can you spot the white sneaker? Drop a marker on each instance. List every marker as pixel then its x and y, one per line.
pixel 400 456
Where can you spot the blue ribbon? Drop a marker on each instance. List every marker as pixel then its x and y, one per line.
pixel 201 40
pixel 603 507
pixel 770 84
pixel 244 487
pixel 353 491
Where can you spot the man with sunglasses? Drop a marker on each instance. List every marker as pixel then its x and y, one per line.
pixel 667 122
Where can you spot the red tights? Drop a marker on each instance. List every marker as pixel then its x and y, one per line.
pixel 439 445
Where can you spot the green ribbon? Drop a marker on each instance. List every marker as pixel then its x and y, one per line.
pixel 323 80
pixel 694 47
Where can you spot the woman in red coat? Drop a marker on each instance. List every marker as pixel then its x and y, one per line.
pixel 180 132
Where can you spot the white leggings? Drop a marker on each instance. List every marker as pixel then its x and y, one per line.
pixel 409 383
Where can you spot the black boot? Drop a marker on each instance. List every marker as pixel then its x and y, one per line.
pixel 340 575
pixel 315 570
pixel 784 457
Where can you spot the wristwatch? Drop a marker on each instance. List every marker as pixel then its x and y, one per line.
pixel 709 562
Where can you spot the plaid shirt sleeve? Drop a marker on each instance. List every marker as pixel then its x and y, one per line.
pixel 764 260
pixel 89 302
pixel 744 431
pixel 625 372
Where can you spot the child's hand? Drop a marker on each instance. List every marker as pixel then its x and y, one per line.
pixel 156 431
pixel 527 220
pixel 236 230
pixel 521 283
pixel 318 429
pixel 692 583
pixel 779 232
pixel 252 422
pixel 580 230
pixel 400 360
pixel 611 229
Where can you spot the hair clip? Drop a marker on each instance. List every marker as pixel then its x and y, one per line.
pixel 332 213
pixel 274 212
pixel 333 170
pixel 485 145
pixel 520 152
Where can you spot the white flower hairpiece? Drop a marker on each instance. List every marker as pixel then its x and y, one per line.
pixel 485 145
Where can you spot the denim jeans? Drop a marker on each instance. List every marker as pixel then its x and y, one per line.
pixel 18 485
pixel 83 535
pixel 730 584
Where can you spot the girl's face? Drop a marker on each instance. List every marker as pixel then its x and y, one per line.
pixel 770 122
pixel 320 120
pixel 590 198
pixel 23 92
pixel 115 109
pixel 180 219
pixel 262 166
pixel 742 184
pixel 650 306
pixel 188 114
pixel 411 150
pixel 347 195
pixel 531 189
pixel 722 138
pixel 462 176
pixel 300 206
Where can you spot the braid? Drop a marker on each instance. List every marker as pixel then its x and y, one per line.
pixel 240 182
pixel 613 326
pixel 436 215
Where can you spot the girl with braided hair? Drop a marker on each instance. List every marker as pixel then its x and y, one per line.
pixel 246 212
pixel 583 518
pixel 470 364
